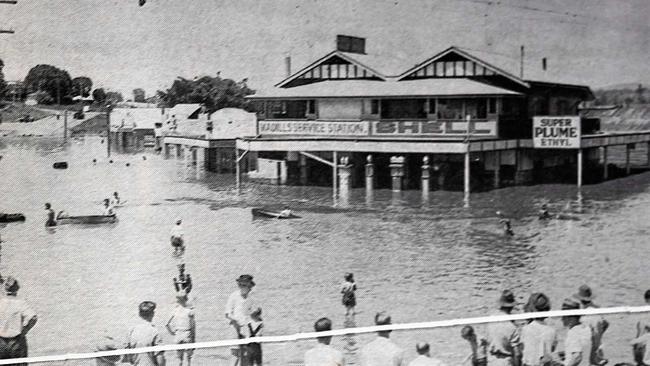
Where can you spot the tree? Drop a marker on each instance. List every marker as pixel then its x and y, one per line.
pixel 43 97
pixel 99 95
pixel 213 92
pixel 81 85
pixel 114 97
pixel 50 79
pixel 139 95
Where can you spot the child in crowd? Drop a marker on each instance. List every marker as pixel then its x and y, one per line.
pixel 255 329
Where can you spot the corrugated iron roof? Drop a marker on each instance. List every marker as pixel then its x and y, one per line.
pixel 378 88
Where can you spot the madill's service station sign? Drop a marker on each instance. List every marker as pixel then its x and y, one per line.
pixel 556 132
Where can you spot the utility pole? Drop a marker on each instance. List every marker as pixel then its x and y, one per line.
pixel 108 129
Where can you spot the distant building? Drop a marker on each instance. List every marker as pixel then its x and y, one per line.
pixel 134 128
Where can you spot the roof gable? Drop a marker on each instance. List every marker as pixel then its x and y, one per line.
pixel 454 62
pixel 333 66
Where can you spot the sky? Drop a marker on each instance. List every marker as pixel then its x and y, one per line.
pixel 122 46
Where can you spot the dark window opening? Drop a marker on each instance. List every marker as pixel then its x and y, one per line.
pixel 311 107
pixel 432 106
pixel 374 106
pixel 492 105
pixel 403 108
pixel 476 108
pixel 287 109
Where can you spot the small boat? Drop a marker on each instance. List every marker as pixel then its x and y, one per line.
pixel 13 217
pixel 260 212
pixel 63 219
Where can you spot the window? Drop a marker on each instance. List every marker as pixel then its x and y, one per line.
pixel 492 105
pixel 374 106
pixel 432 106
pixel 450 109
pixel 290 109
pixel 403 108
pixel 476 108
pixel 311 107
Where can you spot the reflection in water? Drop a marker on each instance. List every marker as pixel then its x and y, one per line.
pixel 419 260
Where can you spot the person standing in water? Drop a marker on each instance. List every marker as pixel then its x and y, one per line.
pixel 116 199
pixel 108 208
pixel 543 213
pixel 349 299
pixel 505 223
pixel 51 215
pixel 177 237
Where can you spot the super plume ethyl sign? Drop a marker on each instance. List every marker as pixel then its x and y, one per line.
pixel 556 132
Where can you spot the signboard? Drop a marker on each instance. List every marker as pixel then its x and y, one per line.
pixel 561 132
pixel 313 128
pixel 431 128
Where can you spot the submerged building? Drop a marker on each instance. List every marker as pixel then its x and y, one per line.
pixel 401 124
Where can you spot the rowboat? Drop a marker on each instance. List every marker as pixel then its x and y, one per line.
pixel 13 217
pixel 260 212
pixel 87 219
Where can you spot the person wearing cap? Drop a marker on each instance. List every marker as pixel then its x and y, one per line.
pixel 239 308
pixel 503 337
pixel 323 354
pixel 538 339
pixel 182 326
pixel 177 237
pixel 641 342
pixel 424 356
pixel 577 345
pixel 597 323
pixel 17 318
pixel 145 334
pixel 382 351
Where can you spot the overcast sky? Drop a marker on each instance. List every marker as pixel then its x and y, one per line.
pixel 122 46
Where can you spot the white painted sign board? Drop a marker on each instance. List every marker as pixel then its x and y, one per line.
pixel 556 132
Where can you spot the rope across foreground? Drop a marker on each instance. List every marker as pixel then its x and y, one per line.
pixel 336 332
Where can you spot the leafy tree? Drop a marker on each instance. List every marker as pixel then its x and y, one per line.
pixel 114 97
pixel 99 95
pixel 43 97
pixel 139 95
pixel 81 85
pixel 50 79
pixel 213 92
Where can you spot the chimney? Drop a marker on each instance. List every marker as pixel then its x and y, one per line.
pixel 544 63
pixel 287 65
pixel 350 44
pixel 521 62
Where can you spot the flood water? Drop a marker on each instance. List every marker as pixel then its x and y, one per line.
pixel 418 261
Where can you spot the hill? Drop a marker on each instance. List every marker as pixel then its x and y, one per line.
pixel 631 117
pixel 15 111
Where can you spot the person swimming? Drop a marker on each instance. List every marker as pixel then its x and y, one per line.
pixel 543 213
pixel 506 224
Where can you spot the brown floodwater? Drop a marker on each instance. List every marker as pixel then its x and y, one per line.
pixel 420 261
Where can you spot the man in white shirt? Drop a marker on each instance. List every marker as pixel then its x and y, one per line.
pixel 577 346
pixel 381 351
pixel 597 323
pixel 538 340
pixel 424 358
pixel 323 354
pixel 145 334
pixel 239 308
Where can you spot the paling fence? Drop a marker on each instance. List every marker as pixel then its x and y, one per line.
pixel 219 352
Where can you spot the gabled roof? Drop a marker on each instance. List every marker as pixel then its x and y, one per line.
pixel 183 110
pixel 377 88
pixel 344 55
pixel 462 53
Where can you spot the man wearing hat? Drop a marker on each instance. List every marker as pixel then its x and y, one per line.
pixel 381 351
pixel 538 339
pixel 16 319
pixel 503 337
pixel 145 334
pixel 577 345
pixel 239 308
pixel 597 323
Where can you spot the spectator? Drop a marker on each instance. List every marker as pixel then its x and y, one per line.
pixel 238 310
pixel 182 326
pixel 502 337
pixel 424 358
pixel 16 319
pixel 538 340
pixel 640 344
pixel 107 343
pixel 323 354
pixel 577 345
pixel 255 329
pixel 381 351
pixel 597 323
pixel 145 334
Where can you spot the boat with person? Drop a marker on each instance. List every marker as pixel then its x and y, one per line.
pixel 263 213
pixel 11 217
pixel 63 219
